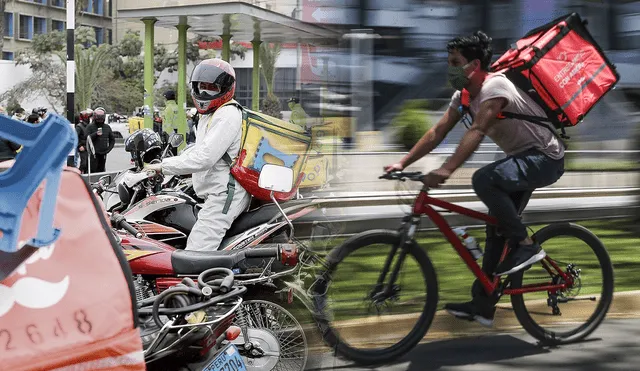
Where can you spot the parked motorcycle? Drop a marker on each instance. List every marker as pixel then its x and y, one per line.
pixel 189 326
pixel 131 185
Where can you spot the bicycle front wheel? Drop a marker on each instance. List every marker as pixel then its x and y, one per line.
pixel 568 315
pixel 350 279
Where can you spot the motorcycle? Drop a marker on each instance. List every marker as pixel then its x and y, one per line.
pixel 206 324
pixel 134 183
pixel 189 326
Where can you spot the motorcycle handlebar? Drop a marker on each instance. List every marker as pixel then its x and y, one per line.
pixel 264 252
pixel 118 221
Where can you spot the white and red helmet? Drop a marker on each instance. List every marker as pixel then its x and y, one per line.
pixel 213 83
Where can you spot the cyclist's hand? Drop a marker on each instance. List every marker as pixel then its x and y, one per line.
pixel 435 178
pixel 394 167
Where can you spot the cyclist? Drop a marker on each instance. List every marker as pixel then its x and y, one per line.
pixel 535 158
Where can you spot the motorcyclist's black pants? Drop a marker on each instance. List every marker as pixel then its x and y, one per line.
pixel 98 163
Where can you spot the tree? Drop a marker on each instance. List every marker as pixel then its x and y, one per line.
pixel 47 63
pixel 269 54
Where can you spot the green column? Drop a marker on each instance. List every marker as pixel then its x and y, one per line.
pixel 226 38
pixel 255 86
pixel 182 79
pixel 148 71
pixel 226 47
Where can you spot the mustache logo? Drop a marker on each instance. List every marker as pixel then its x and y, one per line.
pixel 31 292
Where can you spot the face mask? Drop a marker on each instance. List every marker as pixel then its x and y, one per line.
pixel 457 77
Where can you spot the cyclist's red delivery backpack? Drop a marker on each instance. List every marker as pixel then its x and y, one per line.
pixel 562 68
pixel 69 306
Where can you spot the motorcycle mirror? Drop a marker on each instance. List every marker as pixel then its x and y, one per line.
pixel 276 178
pixel 105 180
pixel 124 195
pixel 90 147
pixel 176 140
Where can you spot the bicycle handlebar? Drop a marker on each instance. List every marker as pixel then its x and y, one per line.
pixel 401 176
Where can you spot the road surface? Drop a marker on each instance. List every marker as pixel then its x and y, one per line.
pixel 614 346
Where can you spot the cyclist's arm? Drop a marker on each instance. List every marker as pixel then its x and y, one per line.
pixel 433 137
pixel 483 121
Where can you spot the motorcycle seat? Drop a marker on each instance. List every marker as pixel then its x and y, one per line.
pixel 257 216
pixel 196 262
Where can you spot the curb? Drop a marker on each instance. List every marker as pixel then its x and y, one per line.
pixel 625 305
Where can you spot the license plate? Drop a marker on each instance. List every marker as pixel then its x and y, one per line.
pixel 228 359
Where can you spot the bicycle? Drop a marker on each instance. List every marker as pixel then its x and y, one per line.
pixel 561 285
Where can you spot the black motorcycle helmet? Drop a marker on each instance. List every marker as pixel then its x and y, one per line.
pixel 144 145
pixel 99 116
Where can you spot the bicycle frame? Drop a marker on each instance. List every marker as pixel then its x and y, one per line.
pixel 424 206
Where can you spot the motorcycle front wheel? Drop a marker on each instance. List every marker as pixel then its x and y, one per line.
pixel 276 340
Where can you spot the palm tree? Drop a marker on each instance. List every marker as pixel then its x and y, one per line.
pixel 269 54
pixel 89 66
pixel 90 62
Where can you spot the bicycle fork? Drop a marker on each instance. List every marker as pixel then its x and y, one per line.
pixel 408 231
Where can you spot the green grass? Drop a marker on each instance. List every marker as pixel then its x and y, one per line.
pixel 621 165
pixel 357 274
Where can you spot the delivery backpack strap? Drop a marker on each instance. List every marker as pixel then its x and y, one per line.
pixel 231 184
pixel 541 121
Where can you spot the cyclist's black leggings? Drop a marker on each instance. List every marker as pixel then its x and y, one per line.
pixel 501 185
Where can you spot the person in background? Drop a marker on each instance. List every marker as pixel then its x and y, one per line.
pixel 19 114
pixel 41 112
pixel 81 129
pixel 170 118
pixel 298 115
pixel 191 132
pixel 8 149
pixel 102 138
pixel 33 118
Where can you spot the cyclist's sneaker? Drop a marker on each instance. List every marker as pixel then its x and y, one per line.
pixel 471 311
pixel 521 257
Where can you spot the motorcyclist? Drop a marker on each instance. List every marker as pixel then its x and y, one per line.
pixel 102 138
pixel 19 114
pixel 81 130
pixel 170 118
pixel 298 115
pixel 41 112
pixel 212 84
pixel 535 159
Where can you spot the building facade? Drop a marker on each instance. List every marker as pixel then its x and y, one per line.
pixel 24 19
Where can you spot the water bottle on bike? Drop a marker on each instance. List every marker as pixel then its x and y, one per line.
pixel 469 242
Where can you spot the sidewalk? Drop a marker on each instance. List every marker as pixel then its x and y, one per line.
pixel 625 305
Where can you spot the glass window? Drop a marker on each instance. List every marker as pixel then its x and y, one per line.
pixel 8 24
pixel 7 56
pixel 40 25
pixel 99 35
pixel 26 27
pixel 57 25
pixel 59 3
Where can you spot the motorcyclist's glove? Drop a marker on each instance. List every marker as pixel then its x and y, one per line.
pixel 155 168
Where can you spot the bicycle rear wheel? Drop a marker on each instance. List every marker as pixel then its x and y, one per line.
pixel 571 314
pixel 374 344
